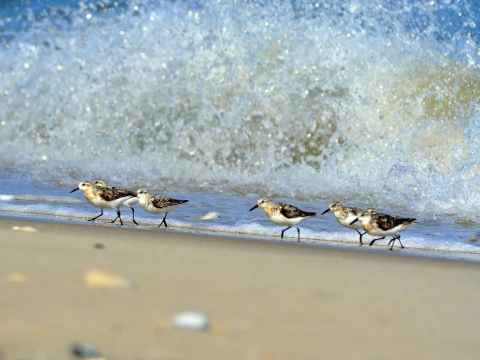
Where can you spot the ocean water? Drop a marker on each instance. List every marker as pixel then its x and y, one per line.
pixel 371 104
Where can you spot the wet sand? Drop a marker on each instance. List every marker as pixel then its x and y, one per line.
pixel 265 300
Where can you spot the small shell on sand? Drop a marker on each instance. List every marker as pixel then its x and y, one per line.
pixel 17 277
pixel 101 279
pixel 25 228
pixel 191 320
pixel 208 216
pixel 473 238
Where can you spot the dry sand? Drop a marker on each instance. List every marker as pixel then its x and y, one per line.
pixel 266 300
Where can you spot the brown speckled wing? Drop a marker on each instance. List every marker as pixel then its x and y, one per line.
pixel 124 191
pixel 110 195
pixel 356 211
pixel 290 212
pixel 389 222
pixel 163 201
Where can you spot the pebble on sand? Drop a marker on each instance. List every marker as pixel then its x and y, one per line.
pixel 191 320
pixel 102 279
pixel 25 228
pixel 86 351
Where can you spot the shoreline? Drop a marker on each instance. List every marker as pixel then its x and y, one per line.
pixel 379 248
pixel 266 300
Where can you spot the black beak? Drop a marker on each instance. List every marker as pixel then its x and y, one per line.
pixel 75 190
pixel 254 207
pixel 354 221
pixel 326 211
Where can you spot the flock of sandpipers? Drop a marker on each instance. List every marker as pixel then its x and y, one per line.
pixel 100 194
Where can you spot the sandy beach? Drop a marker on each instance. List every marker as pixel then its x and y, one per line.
pixel 265 300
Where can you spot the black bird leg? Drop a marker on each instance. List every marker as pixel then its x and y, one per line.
pixel 164 221
pixel 284 231
pixel 392 241
pixel 93 219
pixel 400 242
pixel 371 243
pixel 396 237
pixel 359 233
pixel 133 215
pixel 118 217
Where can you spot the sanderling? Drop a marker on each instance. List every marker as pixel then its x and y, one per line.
pixel 346 216
pixel 384 225
pixel 157 204
pixel 103 198
pixel 130 202
pixel 283 214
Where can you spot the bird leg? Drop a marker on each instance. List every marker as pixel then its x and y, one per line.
pixel 93 219
pixel 396 237
pixel 359 233
pixel 164 221
pixel 392 241
pixel 118 217
pixel 284 231
pixel 371 243
pixel 133 215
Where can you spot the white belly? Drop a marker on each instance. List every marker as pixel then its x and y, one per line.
pixel 390 232
pixel 131 202
pixel 114 204
pixel 154 210
pixel 281 220
pixel 346 222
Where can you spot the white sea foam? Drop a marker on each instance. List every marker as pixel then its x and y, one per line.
pixel 289 100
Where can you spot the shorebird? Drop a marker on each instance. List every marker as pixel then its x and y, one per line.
pixel 384 225
pixel 283 214
pixel 346 216
pixel 129 203
pixel 157 204
pixel 103 198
